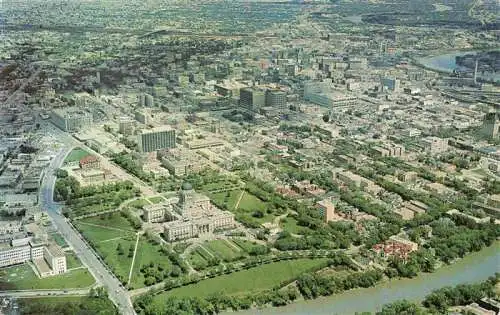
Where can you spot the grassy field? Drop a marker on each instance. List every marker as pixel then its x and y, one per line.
pixel 229 201
pixel 76 155
pixel 197 261
pixel 119 264
pixel 106 240
pixel 245 245
pixel 22 277
pixel 223 250
pixel 147 252
pixel 254 279
pixel 289 224
pixel 72 261
pixel 98 234
pixel 111 220
pixel 249 204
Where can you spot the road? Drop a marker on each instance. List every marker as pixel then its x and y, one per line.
pixel 117 171
pixel 116 292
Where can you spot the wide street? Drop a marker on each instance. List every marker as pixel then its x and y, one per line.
pixel 117 293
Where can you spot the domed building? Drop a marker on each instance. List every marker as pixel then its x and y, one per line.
pixel 194 216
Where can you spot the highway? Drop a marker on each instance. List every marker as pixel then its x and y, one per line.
pixel 116 292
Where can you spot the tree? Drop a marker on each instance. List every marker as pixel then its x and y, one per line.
pixel 119 249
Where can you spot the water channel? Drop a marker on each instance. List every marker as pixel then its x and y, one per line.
pixel 473 268
pixel 447 63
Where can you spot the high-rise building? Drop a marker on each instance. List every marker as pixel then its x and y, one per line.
pixel 71 119
pixel 491 125
pixel 252 99
pixel 276 99
pixel 391 84
pixel 326 209
pixel 156 139
pixel 126 126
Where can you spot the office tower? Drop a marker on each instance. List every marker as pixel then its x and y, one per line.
pixel 252 99
pixel 126 126
pixel 156 139
pixel 276 99
pixel 71 119
pixel 491 125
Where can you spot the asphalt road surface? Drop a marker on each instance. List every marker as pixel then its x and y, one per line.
pixel 116 292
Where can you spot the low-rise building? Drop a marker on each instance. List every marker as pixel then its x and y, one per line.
pixel 89 162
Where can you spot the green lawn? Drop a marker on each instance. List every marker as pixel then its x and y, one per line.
pixel 197 261
pixel 59 239
pixel 98 234
pixel 76 155
pixel 113 220
pixel 119 264
pixel 223 197
pixel 254 279
pixel 289 224
pixel 22 277
pixel 72 261
pixel 147 252
pixel 250 204
pixel 156 199
pixel 223 250
pixel 245 245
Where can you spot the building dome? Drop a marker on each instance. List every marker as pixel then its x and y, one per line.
pixel 187 186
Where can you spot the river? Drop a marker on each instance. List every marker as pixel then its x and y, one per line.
pixel 447 63
pixel 473 268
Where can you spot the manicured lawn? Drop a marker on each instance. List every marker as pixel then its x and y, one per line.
pixel 98 234
pixel 223 250
pixel 197 261
pixel 254 279
pixel 229 201
pixel 156 199
pixel 22 277
pixel 245 245
pixel 289 224
pixel 76 155
pixel 119 264
pixel 113 220
pixel 250 204
pixel 59 239
pixel 72 261
pixel 147 252
pixel 106 242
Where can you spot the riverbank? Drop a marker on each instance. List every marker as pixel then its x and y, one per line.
pixel 444 62
pixel 472 268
